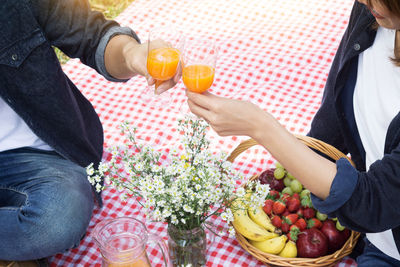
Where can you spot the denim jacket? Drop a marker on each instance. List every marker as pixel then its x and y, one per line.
pixel 365 201
pixel 32 81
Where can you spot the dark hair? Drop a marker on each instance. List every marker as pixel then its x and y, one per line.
pixel 394 7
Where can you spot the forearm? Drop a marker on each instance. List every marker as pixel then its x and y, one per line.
pixel 314 171
pixel 120 52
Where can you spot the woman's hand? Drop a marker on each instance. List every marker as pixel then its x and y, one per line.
pixel 234 117
pixel 228 116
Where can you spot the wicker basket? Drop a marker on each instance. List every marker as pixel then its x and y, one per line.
pixel 275 260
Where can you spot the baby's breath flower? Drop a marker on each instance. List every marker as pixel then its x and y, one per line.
pixel 183 189
pixel 98 187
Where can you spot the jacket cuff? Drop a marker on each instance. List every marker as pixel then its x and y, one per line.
pixel 342 188
pixel 101 48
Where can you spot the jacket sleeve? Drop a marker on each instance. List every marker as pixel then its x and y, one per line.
pixel 365 201
pixel 73 27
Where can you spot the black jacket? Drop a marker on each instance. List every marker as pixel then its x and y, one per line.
pixel 32 82
pixel 363 201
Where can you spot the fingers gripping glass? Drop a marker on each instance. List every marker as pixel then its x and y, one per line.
pixel 163 63
pixel 198 66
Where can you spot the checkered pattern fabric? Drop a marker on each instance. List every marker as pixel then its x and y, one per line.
pixel 275 54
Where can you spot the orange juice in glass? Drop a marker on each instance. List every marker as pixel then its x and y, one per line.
pixel 123 242
pixel 163 61
pixel 198 78
pixel 199 60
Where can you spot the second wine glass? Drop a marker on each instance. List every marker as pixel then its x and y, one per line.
pixel 198 66
pixel 163 62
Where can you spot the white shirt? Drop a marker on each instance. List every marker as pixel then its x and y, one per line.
pixel 376 102
pixel 15 133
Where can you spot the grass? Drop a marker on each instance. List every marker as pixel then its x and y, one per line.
pixel 110 9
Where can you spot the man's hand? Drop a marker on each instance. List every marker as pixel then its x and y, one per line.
pixel 125 58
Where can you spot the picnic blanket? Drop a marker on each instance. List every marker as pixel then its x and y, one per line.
pixel 276 54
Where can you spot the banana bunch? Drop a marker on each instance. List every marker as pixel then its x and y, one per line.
pixel 274 245
pixel 258 229
pixel 256 226
pixel 262 219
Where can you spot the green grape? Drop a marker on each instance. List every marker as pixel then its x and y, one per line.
pixel 290 176
pixel 304 193
pixel 279 173
pixel 287 190
pixel 278 165
pixel 296 186
pixel 339 226
pixel 287 181
pixel 321 216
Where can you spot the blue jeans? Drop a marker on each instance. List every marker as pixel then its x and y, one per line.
pixel 46 203
pixel 373 257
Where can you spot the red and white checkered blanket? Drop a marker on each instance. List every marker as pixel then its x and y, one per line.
pixel 276 54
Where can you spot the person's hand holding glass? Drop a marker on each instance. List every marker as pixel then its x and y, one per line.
pixel 199 61
pixel 163 64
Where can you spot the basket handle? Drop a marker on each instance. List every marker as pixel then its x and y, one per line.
pixel 311 142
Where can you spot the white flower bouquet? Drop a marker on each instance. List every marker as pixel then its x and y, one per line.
pixel 186 188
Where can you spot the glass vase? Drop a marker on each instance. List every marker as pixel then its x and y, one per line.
pixel 187 247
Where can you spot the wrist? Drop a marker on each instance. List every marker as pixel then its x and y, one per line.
pixel 265 128
pixel 118 56
pixel 132 55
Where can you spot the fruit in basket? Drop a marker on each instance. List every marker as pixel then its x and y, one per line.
pixel 301 224
pixel 278 207
pixel 339 226
pixel 287 181
pixel 274 245
pixel 279 173
pixel 314 223
pixel 321 216
pixel 291 211
pixel 312 243
pixel 289 251
pixel 261 218
pixel 336 238
pixel 287 190
pixel 293 204
pixel 276 220
pixel 245 226
pixel 267 177
pixel 305 193
pixel 296 186
pixel 267 208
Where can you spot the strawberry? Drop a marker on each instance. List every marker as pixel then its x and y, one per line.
pixel 306 202
pixel 276 221
pixel 314 223
pixel 268 206
pixel 294 231
pixel 279 207
pixel 296 195
pixel 274 194
pixel 308 213
pixel 285 227
pixel 291 218
pixel 300 212
pixel 301 224
pixel 293 204
pixel 285 197
pixel 285 213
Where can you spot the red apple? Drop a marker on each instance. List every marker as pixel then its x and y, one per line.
pixel 267 177
pixel 312 243
pixel 336 238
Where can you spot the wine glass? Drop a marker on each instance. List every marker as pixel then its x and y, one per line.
pixel 198 66
pixel 163 61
